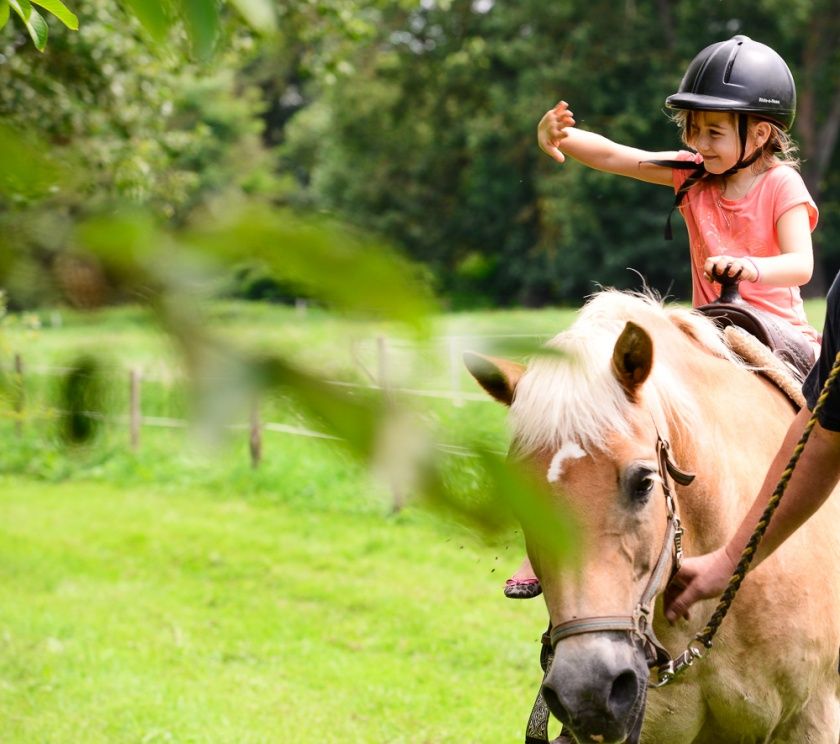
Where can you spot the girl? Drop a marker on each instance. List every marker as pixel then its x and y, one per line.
pixel 747 209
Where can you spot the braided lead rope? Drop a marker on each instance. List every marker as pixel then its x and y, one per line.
pixel 706 635
pixel 536 732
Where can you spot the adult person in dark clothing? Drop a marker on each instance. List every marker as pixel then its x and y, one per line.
pixel 814 478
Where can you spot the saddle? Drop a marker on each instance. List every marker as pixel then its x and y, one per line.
pixel 785 342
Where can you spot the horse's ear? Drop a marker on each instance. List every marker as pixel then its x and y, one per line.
pixel 497 376
pixel 632 357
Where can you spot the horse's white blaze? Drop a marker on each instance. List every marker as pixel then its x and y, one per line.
pixel 569 451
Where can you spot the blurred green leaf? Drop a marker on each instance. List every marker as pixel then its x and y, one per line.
pixel 22 7
pixel 26 173
pixel 123 240
pixel 81 401
pixel 505 491
pixel 523 348
pixel 514 486
pixel 34 21
pixel 152 15
pixel 60 11
pixel 323 260
pixel 259 14
pixel 352 418
pixel 165 268
pixel 201 18
pixel 4 12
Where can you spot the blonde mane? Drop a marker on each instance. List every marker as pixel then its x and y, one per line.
pixel 576 398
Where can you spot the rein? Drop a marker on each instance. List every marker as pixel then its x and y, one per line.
pixel 703 640
pixel 659 660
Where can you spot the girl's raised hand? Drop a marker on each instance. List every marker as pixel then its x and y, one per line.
pixel 551 130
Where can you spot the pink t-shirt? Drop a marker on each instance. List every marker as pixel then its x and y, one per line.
pixel 744 227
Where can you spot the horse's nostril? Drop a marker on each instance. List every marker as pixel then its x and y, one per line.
pixel 554 704
pixel 623 694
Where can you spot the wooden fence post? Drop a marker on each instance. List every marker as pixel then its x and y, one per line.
pixel 135 416
pixel 255 441
pixel 20 394
pixel 397 495
pixel 382 363
pixel 455 370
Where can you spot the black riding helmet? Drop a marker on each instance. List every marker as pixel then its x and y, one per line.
pixel 742 76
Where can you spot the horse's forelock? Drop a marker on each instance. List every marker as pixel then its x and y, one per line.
pixel 572 399
pixel 578 399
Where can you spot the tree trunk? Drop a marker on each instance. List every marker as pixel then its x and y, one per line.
pixel 667 21
pixel 817 131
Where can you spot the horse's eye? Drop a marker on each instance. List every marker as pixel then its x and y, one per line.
pixel 638 483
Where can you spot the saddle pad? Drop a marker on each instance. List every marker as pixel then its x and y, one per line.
pixel 765 362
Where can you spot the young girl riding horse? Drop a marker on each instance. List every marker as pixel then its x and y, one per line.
pixel 747 209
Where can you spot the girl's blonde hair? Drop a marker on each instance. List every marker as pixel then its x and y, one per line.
pixel 779 147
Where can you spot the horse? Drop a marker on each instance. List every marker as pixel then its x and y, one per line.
pixel 636 376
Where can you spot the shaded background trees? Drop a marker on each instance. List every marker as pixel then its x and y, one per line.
pixel 415 119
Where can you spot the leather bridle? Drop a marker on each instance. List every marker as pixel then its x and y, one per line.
pixel 640 623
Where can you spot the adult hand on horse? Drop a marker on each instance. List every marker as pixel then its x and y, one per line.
pixel 551 130
pixel 703 577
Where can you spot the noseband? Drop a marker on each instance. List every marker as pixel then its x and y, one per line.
pixel 640 623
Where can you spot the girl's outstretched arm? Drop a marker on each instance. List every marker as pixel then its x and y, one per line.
pixel 557 137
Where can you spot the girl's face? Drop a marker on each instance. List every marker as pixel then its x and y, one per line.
pixel 714 135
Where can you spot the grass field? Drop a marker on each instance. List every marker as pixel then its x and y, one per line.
pixel 175 594
pixel 182 615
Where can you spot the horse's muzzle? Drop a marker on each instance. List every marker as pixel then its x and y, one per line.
pixel 597 687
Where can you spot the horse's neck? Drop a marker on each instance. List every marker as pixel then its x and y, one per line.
pixel 743 422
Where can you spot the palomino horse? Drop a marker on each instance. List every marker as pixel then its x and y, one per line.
pixel 634 373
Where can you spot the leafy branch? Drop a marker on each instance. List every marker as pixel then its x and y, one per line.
pixel 34 21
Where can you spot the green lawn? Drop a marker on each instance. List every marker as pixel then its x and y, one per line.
pixel 134 614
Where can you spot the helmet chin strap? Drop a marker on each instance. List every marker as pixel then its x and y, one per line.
pixel 700 173
pixel 743 122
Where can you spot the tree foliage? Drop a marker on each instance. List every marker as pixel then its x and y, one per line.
pixel 415 119
pixel 131 123
pixel 33 21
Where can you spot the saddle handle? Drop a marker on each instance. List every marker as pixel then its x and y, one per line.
pixel 728 287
